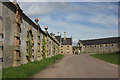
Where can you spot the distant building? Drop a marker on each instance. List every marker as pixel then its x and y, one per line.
pixel 65 44
pixel 99 45
pixel 60 41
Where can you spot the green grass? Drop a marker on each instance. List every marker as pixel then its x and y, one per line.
pixel 29 69
pixel 109 57
pixel 0 70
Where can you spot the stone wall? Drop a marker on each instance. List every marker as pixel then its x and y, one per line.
pixel 66 49
pixel 1 32
pixel 8 34
pixel 113 47
pixel 20 35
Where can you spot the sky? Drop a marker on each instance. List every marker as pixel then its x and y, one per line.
pixel 81 20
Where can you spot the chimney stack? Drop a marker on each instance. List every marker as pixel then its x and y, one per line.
pixel 64 35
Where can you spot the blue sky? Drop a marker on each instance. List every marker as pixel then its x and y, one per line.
pixel 82 20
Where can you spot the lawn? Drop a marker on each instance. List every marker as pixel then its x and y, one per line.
pixel 0 74
pixel 113 58
pixel 29 69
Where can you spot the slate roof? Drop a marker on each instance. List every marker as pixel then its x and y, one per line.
pixel 68 41
pixel 100 41
pixel 58 38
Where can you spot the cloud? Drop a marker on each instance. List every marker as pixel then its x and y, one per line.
pixel 35 8
pixel 74 41
pixel 40 9
pixel 100 19
pixel 82 20
pixel 78 30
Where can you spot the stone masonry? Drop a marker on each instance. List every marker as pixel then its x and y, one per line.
pixel 22 40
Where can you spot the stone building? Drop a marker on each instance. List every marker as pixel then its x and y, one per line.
pixel 1 33
pixel 22 40
pixel 99 45
pixel 58 37
pixel 65 44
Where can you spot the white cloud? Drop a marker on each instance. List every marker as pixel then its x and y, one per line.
pixel 79 30
pixel 75 40
pixel 33 9
pixel 100 19
pixel 108 21
pixel 99 15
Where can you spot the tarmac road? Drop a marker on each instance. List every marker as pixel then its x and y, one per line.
pixel 79 66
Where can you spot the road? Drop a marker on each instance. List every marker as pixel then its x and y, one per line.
pixel 79 66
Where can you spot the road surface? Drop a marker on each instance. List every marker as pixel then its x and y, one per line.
pixel 79 66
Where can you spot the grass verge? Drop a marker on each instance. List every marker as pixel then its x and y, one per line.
pixel 29 69
pixel 109 57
